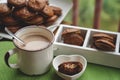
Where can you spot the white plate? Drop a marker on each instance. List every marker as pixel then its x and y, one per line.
pixel 65 5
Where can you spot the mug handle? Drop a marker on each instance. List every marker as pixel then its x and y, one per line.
pixel 7 56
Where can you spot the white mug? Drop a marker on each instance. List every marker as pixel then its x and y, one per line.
pixel 32 62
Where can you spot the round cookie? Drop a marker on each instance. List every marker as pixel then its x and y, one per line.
pixel 9 20
pixel 0 22
pixel 36 5
pixel 57 11
pixel 14 28
pixel 17 3
pixel 51 20
pixel 47 11
pixel 36 20
pixel 4 9
pixel 23 13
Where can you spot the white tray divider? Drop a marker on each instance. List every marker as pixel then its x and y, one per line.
pixel 117 44
pixel 86 38
pixel 58 33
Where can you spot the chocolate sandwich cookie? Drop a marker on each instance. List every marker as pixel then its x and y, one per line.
pixel 104 45
pixel 17 3
pixel 103 35
pixel 72 36
pixel 103 41
pixel 70 30
pixel 37 5
pixel 74 39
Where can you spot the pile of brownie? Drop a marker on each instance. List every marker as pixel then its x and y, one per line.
pixel 19 13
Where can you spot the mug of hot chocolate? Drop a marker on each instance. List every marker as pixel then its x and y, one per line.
pixel 35 57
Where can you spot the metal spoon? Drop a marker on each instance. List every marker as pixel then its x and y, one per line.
pixel 4 35
pixel 11 34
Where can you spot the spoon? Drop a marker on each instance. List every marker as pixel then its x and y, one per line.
pixel 3 35
pixel 12 35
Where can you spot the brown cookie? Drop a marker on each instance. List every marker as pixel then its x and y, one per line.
pixel 47 2
pixel 36 20
pixel 70 30
pixel 47 11
pixel 102 35
pixel 1 22
pixel 9 20
pixel 70 68
pixel 4 9
pixel 103 44
pixel 17 3
pixel 74 39
pixel 23 13
pixel 14 28
pixel 108 39
pixel 37 5
pixel 49 21
pixel 57 11
pixel 52 19
pixel 72 36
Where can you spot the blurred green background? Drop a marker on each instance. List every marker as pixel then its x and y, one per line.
pixel 110 14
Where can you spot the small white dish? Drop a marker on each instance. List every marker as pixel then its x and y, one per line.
pixel 67 58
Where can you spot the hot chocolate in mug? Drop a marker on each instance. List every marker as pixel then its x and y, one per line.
pixel 36 55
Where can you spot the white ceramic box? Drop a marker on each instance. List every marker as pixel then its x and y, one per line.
pixel 107 58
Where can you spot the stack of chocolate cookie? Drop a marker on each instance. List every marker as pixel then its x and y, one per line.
pixel 19 13
pixel 104 41
pixel 72 36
